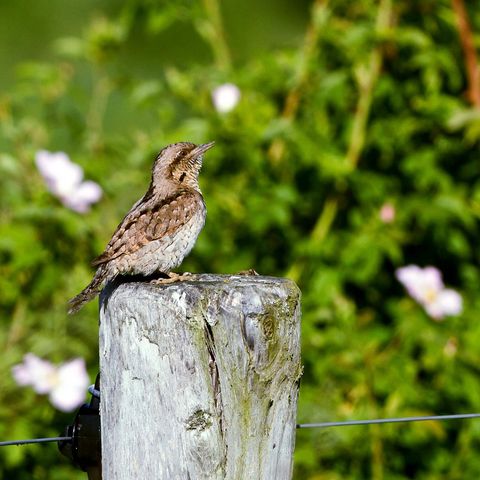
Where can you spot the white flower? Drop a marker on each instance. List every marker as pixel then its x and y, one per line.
pixel 425 285
pixel 225 97
pixel 64 180
pixel 66 385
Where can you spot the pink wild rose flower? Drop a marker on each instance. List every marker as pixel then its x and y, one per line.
pixel 64 179
pixel 425 285
pixel 65 385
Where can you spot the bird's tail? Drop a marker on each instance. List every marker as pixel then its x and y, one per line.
pixel 89 292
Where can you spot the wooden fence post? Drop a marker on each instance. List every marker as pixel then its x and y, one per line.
pixel 199 378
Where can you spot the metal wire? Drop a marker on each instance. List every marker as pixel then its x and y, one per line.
pixel 93 391
pixel 35 440
pixel 300 425
pixel 388 420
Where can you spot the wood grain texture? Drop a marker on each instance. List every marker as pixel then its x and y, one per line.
pixel 200 378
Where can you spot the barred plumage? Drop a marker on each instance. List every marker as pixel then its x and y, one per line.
pixel 161 228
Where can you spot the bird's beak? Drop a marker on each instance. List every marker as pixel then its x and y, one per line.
pixel 201 149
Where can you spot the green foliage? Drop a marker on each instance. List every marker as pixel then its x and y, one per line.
pixel 368 109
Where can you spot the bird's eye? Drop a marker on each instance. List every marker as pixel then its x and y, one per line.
pixel 181 154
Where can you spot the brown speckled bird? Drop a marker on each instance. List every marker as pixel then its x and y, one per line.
pixel 161 228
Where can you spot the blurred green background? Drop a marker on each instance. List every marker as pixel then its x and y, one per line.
pixel 345 107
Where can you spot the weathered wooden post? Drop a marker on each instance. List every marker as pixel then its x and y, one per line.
pixel 200 378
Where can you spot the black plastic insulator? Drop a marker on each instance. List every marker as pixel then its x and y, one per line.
pixel 84 450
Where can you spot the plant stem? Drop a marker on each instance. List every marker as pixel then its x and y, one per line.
pixel 306 54
pixel 214 33
pixel 318 234
pixel 466 38
pixel 367 77
pixel 96 113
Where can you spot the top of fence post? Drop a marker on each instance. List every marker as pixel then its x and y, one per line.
pixel 200 378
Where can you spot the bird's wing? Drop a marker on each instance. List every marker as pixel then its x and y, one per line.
pixel 152 221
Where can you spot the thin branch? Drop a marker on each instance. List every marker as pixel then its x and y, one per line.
pixel 367 77
pixel 466 38
pixel 306 54
pixel 317 235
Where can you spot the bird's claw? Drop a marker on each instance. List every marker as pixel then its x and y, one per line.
pixel 250 271
pixel 173 277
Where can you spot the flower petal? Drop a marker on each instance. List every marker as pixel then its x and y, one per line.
pixel 21 375
pixel 60 174
pixel 34 371
pixel 81 198
pixel 447 303
pixel 65 398
pixel 74 373
pixel 422 284
pixel 72 385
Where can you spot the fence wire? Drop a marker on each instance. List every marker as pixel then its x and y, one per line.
pixel 34 440
pixel 348 423
pixel 389 420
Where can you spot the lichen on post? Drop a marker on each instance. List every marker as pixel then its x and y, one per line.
pixel 200 378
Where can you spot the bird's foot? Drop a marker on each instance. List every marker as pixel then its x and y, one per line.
pixel 250 271
pixel 173 277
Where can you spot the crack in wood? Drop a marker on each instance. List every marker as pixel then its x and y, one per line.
pixel 213 369
pixel 217 392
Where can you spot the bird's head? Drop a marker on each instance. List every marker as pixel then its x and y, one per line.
pixel 179 163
